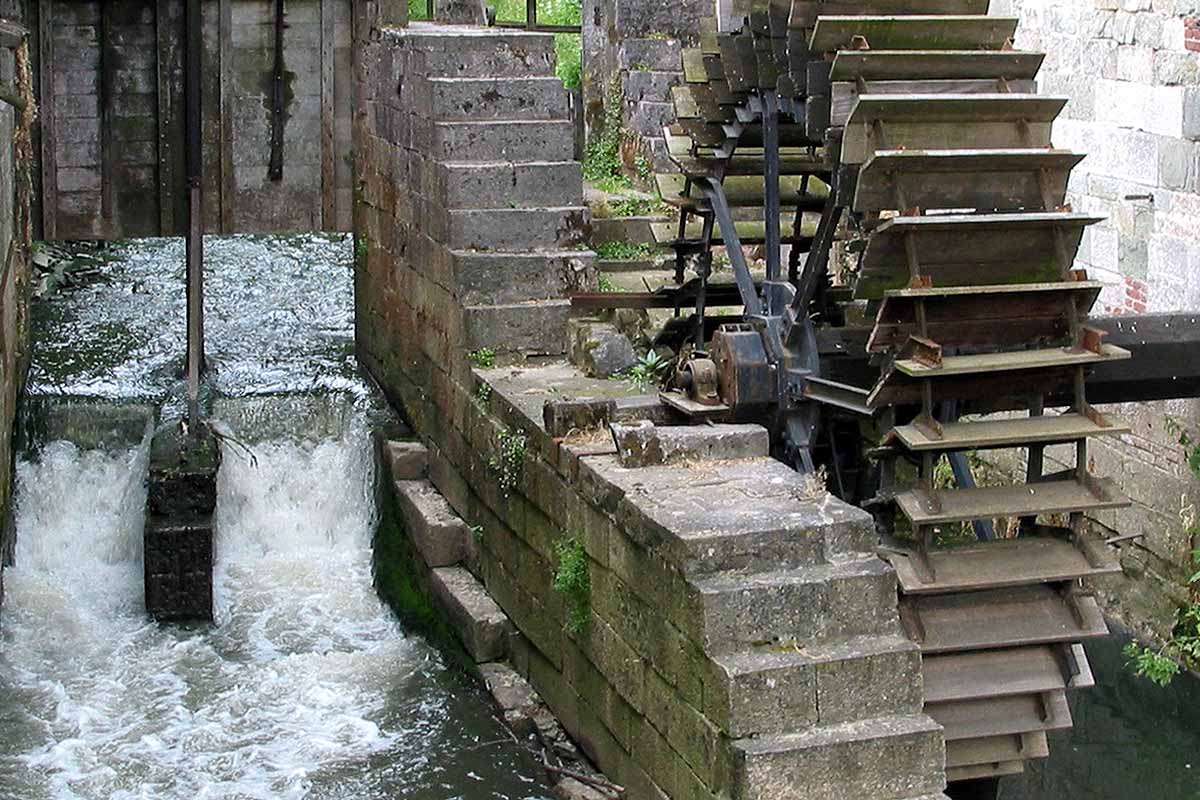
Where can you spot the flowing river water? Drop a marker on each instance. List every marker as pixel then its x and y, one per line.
pixel 307 687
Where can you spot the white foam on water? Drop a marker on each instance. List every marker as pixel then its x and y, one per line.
pixel 97 702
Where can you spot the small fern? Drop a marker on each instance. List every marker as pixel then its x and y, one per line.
pixel 572 581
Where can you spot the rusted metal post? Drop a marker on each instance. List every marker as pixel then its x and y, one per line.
pixel 195 229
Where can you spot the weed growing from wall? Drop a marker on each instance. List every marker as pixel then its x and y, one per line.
pixel 623 251
pixel 508 463
pixel 1183 648
pixel 484 357
pixel 602 158
pixel 572 581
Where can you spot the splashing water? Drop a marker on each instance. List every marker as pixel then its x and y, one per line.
pixel 307 688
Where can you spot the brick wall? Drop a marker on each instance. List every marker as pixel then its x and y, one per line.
pixel 1131 69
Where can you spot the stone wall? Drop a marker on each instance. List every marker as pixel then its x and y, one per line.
pixel 632 55
pixel 1131 69
pixel 14 311
pixel 740 638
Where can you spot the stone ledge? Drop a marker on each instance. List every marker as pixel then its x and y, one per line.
pixel 479 622
pixel 406 461
pixel 642 444
pixel 441 538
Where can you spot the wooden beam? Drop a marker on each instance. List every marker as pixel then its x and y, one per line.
pixel 166 167
pixel 328 150
pixel 45 48
pixel 107 69
pixel 225 50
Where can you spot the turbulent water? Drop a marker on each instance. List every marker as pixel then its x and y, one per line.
pixel 306 688
pixel 279 317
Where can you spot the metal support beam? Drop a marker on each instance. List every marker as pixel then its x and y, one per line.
pixel 770 121
pixel 193 139
pixel 733 246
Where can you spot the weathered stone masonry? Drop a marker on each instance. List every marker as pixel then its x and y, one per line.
pixel 1131 69
pixel 741 639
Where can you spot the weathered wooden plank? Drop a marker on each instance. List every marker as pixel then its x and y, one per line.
pixel 167 39
pixel 746 190
pixel 845 95
pixel 982 316
pixel 972 249
pixel 749 231
pixel 988 752
pixel 1002 716
pixel 804 12
pixel 952 366
pixel 1023 500
pixel 46 119
pixel 328 182
pixel 1019 617
pixel 999 433
pixel 965 179
pixel 1000 564
pixel 953 677
pixel 913 32
pixel 225 48
pixel 891 65
pixel 693 65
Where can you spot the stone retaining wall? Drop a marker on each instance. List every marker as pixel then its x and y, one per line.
pixel 1132 73
pixel 740 639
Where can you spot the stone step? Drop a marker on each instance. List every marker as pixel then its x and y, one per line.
pixel 481 625
pixel 464 52
pixel 503 184
pixel 508 278
pixel 510 229
pixel 512 98
pixel 649 86
pixel 760 515
pixel 633 230
pixel 772 690
pixel 511 140
pixel 406 461
pixel 533 328
pixel 643 444
pixel 854 760
pixel 651 54
pixel 793 607
pixel 438 534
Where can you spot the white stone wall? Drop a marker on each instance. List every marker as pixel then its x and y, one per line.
pixel 1131 69
pixel 1134 89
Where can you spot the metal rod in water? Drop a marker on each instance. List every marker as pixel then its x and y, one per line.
pixel 195 228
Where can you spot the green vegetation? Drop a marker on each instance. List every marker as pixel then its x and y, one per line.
pixel 508 464
pixel 624 251
pixel 484 357
pixel 1183 648
pixel 482 395
pixel 648 371
pixel 571 580
pixel 605 284
pixel 602 158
